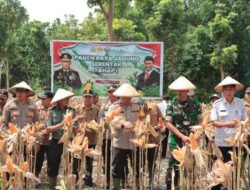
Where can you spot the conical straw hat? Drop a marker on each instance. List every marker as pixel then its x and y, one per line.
pixel 22 85
pixel 61 94
pixel 182 83
pixel 126 90
pixel 229 81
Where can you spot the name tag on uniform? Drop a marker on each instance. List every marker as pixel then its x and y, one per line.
pixel 223 113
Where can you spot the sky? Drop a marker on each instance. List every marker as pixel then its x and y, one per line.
pixel 49 10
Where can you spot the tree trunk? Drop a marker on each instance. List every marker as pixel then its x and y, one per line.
pixel 222 72
pixel 110 19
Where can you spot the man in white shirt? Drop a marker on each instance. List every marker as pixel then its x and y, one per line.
pixel 163 104
pixel 226 114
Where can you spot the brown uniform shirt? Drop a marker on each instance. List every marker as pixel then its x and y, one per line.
pixel 43 117
pixel 155 113
pixel 247 106
pixel 19 114
pixel 86 115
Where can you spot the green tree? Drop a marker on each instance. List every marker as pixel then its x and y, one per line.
pixel 93 28
pixel 13 17
pixel 33 63
pixel 67 30
pixel 221 34
pixel 167 24
pixel 107 9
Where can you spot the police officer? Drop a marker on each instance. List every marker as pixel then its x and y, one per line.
pixel 67 76
pixel 106 145
pixel 43 108
pixel 87 112
pixel 54 125
pixel 182 113
pixel 3 99
pixel 122 147
pixel 21 110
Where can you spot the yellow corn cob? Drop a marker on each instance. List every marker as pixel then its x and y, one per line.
pixel 178 155
pixel 25 166
pixel 12 128
pixel 193 142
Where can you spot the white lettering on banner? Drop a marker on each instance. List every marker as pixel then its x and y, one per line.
pixel 105 70
pixel 105 64
pixel 106 58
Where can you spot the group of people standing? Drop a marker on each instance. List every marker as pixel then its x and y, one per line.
pixel 178 115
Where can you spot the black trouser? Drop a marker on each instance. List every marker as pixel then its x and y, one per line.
pixel 226 157
pixel 164 145
pixel 151 157
pixel 54 157
pixel 106 151
pixel 44 149
pixel 89 166
pixel 120 162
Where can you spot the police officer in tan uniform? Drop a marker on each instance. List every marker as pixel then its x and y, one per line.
pixel 67 76
pixel 21 110
pixel 122 147
pixel 87 112
pixel 43 109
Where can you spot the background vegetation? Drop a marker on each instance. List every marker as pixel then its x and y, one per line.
pixel 204 40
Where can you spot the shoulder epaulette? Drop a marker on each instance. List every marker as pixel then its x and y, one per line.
pixel 217 101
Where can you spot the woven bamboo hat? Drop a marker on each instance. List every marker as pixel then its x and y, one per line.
pixel 229 81
pixel 22 85
pixel 181 83
pixel 61 94
pixel 126 90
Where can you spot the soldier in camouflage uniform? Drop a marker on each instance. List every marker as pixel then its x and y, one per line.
pixel 67 76
pixel 182 113
pixel 54 125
